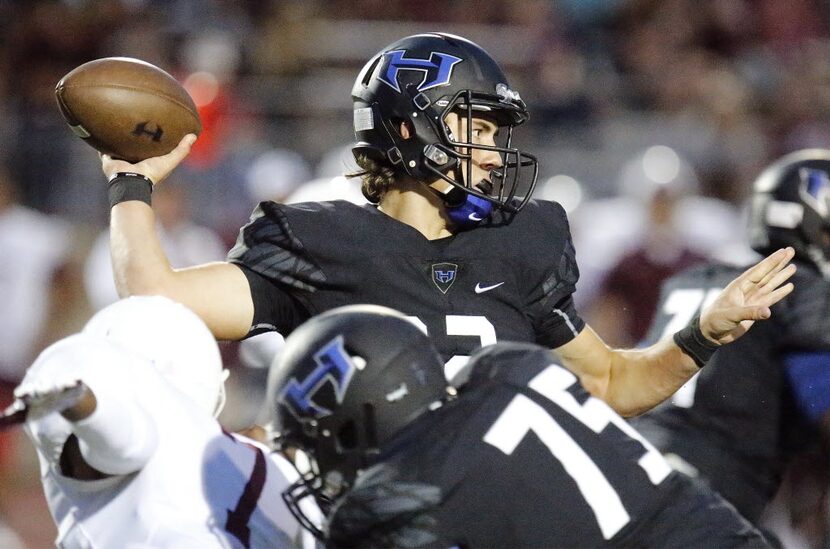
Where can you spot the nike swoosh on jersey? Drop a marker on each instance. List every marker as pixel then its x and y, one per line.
pixel 481 289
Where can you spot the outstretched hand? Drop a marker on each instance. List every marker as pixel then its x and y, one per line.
pixel 156 168
pixel 40 399
pixel 748 298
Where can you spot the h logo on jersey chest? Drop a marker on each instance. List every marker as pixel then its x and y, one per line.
pixel 334 366
pixel 437 69
pixel 443 275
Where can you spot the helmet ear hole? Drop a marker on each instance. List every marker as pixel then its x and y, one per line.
pixel 346 437
pixel 403 128
pixel 370 431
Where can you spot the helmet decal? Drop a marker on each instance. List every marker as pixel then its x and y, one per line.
pixel 791 207
pixel 439 67
pixel 334 365
pixel 384 373
pixel 422 79
pixel 817 187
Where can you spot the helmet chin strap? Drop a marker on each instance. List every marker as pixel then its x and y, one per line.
pixel 465 210
pixel 473 211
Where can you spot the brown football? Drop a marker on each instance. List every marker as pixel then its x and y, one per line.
pixel 126 108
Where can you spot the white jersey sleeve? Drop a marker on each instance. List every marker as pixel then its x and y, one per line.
pixel 120 436
pixel 199 487
pixel 281 474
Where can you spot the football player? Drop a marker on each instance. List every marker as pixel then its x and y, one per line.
pixel 451 237
pixel 122 417
pixel 738 422
pixel 522 457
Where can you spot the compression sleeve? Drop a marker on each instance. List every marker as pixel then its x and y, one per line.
pixel 809 375
pixel 275 309
pixel 119 437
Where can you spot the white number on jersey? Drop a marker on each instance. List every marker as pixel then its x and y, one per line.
pixel 462 325
pixel 682 305
pixel 523 415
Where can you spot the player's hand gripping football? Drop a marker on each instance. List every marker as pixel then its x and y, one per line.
pixel 156 168
pixel 748 298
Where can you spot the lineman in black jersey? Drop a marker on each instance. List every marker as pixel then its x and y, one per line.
pixel 758 401
pixel 522 457
pixel 444 239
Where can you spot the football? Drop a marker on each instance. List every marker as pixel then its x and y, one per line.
pixel 126 108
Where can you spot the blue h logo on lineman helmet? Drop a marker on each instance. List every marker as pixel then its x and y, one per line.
pixel 817 187
pixel 439 66
pixel 334 365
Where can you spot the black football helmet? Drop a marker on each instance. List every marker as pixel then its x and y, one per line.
pixel 345 382
pixel 791 207
pixel 421 79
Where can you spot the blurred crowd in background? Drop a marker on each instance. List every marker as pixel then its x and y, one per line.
pixel 651 119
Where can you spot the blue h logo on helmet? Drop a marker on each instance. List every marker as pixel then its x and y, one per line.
pixel 334 365
pixel 439 66
pixel 817 187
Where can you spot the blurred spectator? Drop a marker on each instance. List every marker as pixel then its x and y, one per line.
pixel 275 174
pixel 35 285
pixel 560 89
pixel 45 41
pixel 329 188
pixel 337 161
pixel 651 186
pixel 331 183
pixel 35 248
pixel 184 242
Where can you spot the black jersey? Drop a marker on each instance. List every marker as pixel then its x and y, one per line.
pixel 736 421
pixel 526 458
pixel 499 281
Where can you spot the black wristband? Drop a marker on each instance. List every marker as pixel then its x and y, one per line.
pixel 125 186
pixel 692 342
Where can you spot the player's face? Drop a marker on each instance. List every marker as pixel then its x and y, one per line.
pixel 484 132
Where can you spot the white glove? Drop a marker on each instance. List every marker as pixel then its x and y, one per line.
pixel 44 397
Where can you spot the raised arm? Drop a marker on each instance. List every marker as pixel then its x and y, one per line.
pixel 633 381
pixel 110 433
pixel 218 292
pixel 115 437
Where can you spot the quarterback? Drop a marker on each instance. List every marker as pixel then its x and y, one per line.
pixel 451 236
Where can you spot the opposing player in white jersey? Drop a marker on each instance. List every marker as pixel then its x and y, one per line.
pixel 133 456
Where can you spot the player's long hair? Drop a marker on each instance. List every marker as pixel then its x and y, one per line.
pixel 377 178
